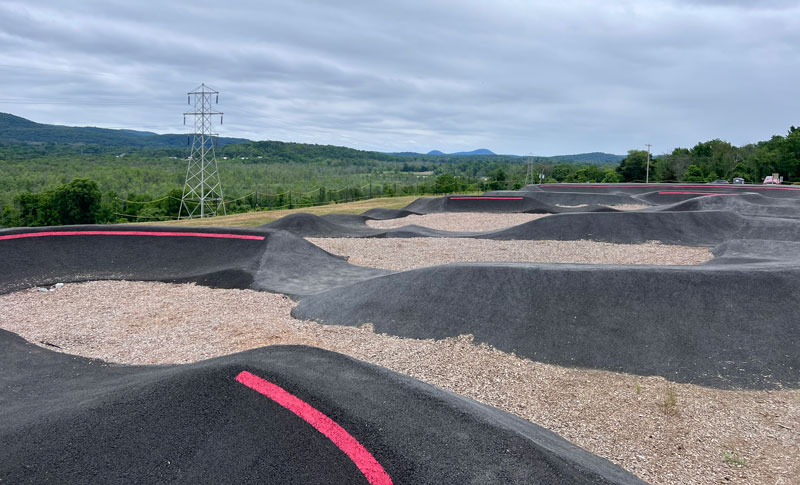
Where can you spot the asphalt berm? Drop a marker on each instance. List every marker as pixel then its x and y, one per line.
pixel 265 259
pixel 68 419
pixel 726 324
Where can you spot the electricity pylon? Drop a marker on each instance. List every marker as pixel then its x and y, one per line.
pixel 202 192
pixel 529 179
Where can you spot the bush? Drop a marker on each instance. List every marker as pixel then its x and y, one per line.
pixel 612 177
pixel 77 202
pixel 693 174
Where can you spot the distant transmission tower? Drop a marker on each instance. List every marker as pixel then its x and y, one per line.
pixel 202 192
pixel 530 173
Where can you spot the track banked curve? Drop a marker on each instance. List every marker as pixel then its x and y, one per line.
pixel 68 418
pixel 708 326
pixel 267 260
pixel 713 325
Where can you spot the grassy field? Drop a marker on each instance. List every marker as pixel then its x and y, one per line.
pixel 250 219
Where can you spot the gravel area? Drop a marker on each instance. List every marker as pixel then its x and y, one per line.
pixel 629 207
pixel 473 221
pixel 459 221
pixel 701 436
pixel 409 253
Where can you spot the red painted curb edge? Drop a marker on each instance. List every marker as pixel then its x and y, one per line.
pixel 486 198
pixel 363 459
pixel 727 186
pixel 130 233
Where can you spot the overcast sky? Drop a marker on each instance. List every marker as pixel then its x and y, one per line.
pixel 517 77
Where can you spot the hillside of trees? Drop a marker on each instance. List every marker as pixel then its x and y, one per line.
pixel 144 184
pixel 140 183
pixel 15 129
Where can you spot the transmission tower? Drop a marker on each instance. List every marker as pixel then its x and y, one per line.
pixel 529 175
pixel 202 192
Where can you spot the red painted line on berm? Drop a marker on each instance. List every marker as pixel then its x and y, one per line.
pixel 363 459
pixel 132 233
pixel 486 198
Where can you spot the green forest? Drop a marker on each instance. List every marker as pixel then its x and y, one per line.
pixel 719 160
pixel 47 181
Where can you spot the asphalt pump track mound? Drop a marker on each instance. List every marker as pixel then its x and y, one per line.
pixel 276 414
pixel 280 414
pixel 727 324
pixel 723 326
pixel 265 260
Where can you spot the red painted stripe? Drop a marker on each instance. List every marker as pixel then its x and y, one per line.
pixel 485 198
pixel 131 233
pixel 727 186
pixel 363 459
pixel 692 193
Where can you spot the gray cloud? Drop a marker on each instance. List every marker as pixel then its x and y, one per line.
pixel 516 77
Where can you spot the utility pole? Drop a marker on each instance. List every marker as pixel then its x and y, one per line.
pixel 647 179
pixel 202 189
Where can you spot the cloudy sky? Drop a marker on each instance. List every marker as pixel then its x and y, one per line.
pixel 517 77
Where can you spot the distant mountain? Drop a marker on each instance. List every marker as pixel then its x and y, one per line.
pixel 17 129
pixel 437 153
pixel 479 151
pixel 598 158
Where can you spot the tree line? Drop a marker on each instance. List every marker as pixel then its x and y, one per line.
pixel 719 160
pixel 54 184
pixel 81 202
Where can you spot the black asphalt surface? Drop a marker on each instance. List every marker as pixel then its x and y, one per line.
pixel 281 262
pixel 728 324
pixel 724 326
pixel 746 204
pixel 701 228
pixel 348 225
pixel 639 190
pixel 517 201
pixel 67 419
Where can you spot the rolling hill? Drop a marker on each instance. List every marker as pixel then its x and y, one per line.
pixel 17 129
